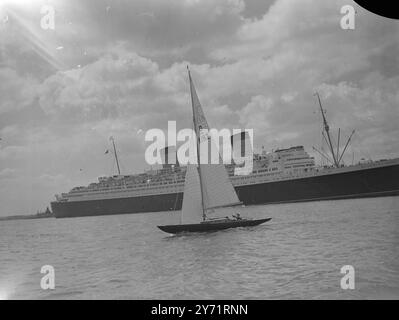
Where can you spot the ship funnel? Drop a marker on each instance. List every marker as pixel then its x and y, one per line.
pixel 169 157
pixel 242 150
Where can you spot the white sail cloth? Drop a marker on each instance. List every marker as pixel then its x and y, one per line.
pixel 217 189
pixel 192 202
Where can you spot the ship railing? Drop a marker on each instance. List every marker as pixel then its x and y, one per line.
pixel 142 191
pixel 135 188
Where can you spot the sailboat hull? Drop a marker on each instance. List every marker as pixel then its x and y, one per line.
pixel 214 226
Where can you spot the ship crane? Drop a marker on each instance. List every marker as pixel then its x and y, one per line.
pixel 336 156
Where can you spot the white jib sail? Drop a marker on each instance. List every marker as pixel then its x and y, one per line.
pixel 192 202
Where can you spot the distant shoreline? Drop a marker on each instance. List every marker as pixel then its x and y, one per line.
pixel 27 217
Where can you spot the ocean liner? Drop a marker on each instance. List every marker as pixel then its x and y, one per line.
pixel 281 176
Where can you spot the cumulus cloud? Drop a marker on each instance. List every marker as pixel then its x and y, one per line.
pixel 103 89
pixel 16 92
pixel 7 173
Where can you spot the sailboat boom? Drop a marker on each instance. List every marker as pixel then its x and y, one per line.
pixel 226 206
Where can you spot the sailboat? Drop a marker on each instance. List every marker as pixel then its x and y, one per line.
pixel 209 196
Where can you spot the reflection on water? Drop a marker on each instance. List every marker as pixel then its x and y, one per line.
pixel 298 254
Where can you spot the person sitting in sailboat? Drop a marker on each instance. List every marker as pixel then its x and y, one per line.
pixel 237 216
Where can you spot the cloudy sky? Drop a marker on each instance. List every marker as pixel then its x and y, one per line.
pixel 117 68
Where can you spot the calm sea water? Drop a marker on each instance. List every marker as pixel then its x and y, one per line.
pixel 298 254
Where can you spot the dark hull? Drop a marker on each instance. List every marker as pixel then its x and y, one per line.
pixel 208 227
pixel 371 182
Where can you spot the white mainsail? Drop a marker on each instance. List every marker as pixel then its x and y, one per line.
pixel 217 189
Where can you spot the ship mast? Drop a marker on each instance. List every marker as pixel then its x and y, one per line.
pixel 116 155
pixel 337 157
pixel 327 129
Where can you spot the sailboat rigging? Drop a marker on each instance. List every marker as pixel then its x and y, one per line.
pixel 208 189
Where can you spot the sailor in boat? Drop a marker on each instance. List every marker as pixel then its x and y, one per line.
pixel 237 216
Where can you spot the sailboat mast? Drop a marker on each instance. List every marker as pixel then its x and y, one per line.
pixel 197 144
pixel 116 155
pixel 327 129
